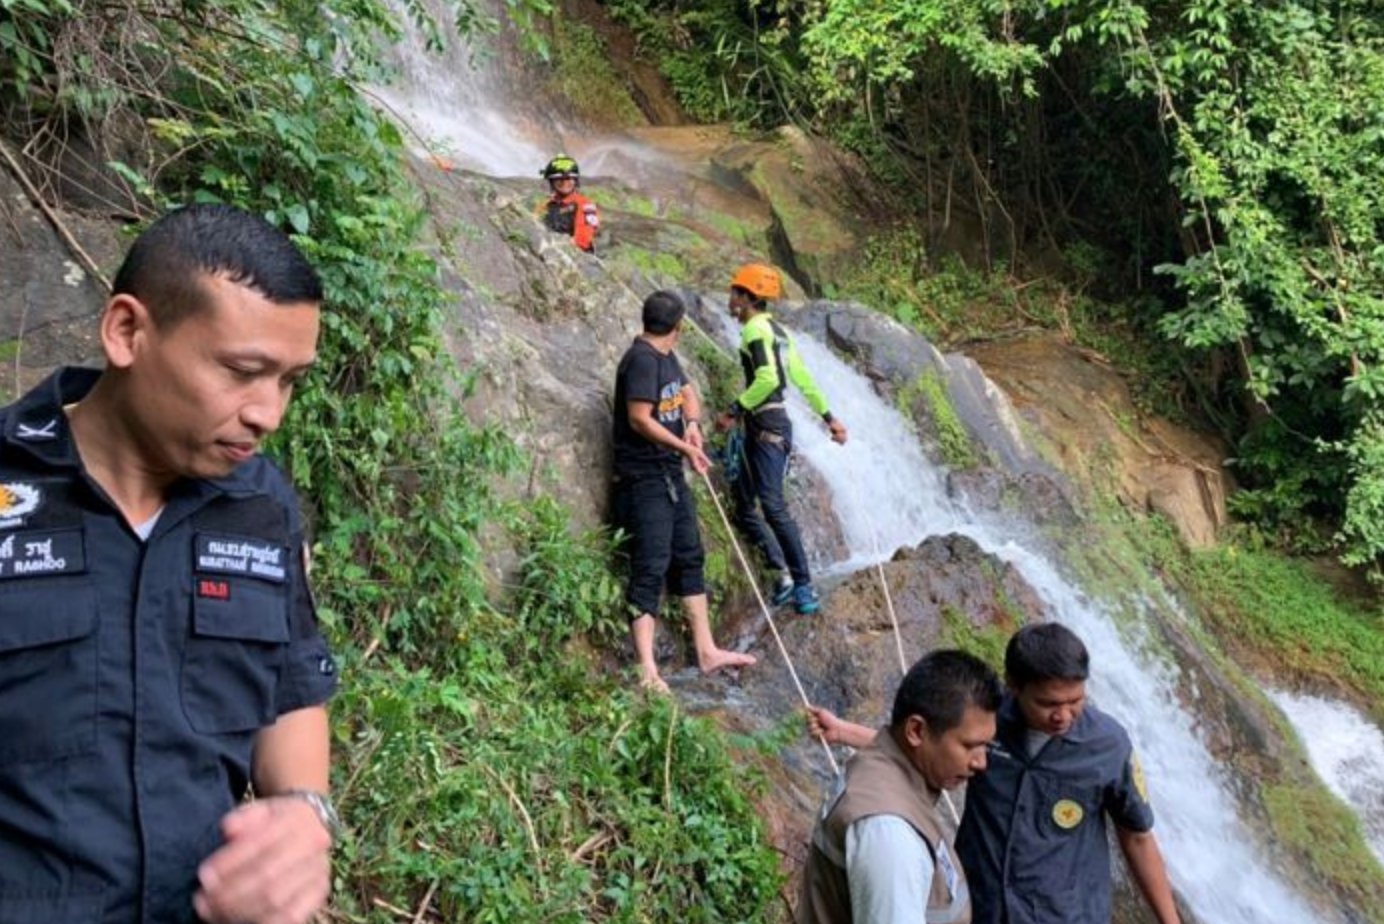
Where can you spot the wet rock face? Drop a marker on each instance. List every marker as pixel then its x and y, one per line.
pixel 1083 411
pixel 49 303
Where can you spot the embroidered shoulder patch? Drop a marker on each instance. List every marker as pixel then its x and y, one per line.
pixel 17 500
pixel 1140 782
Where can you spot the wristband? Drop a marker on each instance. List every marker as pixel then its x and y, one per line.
pixel 689 421
pixel 826 416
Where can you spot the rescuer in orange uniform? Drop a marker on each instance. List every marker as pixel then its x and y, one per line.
pixel 568 211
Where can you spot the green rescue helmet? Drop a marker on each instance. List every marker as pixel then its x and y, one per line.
pixel 559 168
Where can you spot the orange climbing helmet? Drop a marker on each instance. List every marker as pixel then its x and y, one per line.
pixel 759 280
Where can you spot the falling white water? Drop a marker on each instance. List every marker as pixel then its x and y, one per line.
pixel 456 106
pixel 1347 751
pixel 888 494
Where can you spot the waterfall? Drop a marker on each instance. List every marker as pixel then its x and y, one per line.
pixel 459 104
pixel 1347 751
pixel 887 494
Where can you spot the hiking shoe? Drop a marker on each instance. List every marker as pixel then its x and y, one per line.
pixel 783 590
pixel 805 599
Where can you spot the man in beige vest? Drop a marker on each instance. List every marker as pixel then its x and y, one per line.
pixel 878 853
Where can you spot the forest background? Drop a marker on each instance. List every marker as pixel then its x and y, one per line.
pixel 1196 187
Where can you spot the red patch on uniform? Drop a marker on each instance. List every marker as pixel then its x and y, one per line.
pixel 214 590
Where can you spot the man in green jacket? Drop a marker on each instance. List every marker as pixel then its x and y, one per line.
pixel 770 361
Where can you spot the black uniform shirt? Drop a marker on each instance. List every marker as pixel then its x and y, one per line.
pixel 645 374
pixel 134 674
pixel 1033 837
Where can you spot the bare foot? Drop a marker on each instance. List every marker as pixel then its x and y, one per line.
pixel 719 658
pixel 652 682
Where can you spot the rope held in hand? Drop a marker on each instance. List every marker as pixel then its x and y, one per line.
pixel 764 607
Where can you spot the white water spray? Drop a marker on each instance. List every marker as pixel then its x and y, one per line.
pixel 1347 751
pixel 887 494
pixel 455 105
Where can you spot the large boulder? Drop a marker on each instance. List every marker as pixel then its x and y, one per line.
pixel 1083 413
pixel 813 190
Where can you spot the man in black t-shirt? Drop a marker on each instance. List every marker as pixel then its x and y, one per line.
pixel 657 424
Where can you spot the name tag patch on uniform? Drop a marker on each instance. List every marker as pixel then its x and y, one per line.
pixel 17 500
pixel 948 868
pixel 1067 814
pixel 213 589
pixel 247 557
pixel 42 552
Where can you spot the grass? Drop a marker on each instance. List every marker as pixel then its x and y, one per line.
pixel 1315 822
pixel 585 75
pixel 1268 609
pixel 954 440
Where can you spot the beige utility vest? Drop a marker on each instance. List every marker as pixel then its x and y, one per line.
pixel 879 780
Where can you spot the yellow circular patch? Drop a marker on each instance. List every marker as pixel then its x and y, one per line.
pixel 1067 814
pixel 1140 783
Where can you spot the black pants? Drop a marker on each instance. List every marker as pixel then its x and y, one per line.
pixel 664 543
pixel 761 482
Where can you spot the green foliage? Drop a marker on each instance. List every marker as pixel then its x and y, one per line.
pixel 568 586
pixel 726 62
pixel 1330 835
pixel 480 758
pixel 1278 171
pixel 544 802
pixel 986 642
pixel 958 450
pixel 585 75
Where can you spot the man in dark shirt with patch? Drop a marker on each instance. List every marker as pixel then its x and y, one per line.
pixel 658 424
pixel 1033 838
pixel 159 651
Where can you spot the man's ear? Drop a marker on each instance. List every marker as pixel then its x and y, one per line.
pixel 124 324
pixel 915 730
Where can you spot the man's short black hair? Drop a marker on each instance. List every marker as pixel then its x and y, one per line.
pixel 941 685
pixel 1045 651
pixel 164 266
pixel 662 312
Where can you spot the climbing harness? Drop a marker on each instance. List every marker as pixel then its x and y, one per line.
pixel 731 455
pixel 764 607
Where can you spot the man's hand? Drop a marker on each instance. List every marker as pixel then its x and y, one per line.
pixel 838 431
pixel 275 867
pixel 823 723
pixel 725 422
pixel 694 436
pixel 700 463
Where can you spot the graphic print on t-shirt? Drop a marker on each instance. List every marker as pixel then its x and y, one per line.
pixel 670 403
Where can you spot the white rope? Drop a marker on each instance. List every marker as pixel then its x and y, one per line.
pixel 764 607
pixel 898 635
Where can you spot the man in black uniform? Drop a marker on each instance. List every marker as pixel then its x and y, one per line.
pixel 657 425
pixel 159 651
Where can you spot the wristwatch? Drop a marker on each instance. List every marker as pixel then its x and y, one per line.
pixel 322 805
